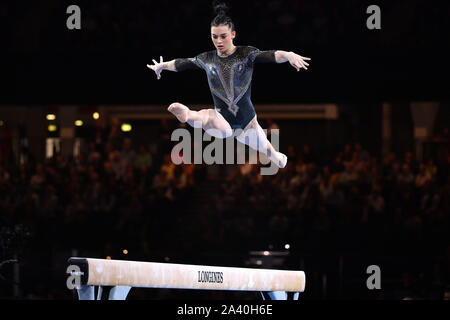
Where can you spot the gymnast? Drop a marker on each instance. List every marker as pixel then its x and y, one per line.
pixel 229 70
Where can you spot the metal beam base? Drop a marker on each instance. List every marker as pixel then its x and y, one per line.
pixel 103 293
pixel 279 295
pixel 121 293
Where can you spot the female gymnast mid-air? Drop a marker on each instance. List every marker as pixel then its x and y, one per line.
pixel 229 69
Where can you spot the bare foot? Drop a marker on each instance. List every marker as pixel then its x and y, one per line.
pixel 278 158
pixel 179 110
pixel 282 160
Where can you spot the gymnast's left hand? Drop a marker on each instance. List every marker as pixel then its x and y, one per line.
pixel 158 67
pixel 297 61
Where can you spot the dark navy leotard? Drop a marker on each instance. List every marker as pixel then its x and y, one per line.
pixel 229 79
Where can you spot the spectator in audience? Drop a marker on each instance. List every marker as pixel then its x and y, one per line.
pixel 291 153
pixel 38 178
pixel 405 177
pixel 118 166
pixel 409 160
pixel 376 200
pixel 143 158
pixel 325 187
pixel 306 154
pixel 347 154
pixel 349 176
pixel 423 177
pixel 431 168
pixel 363 155
pixel 168 167
pixel 127 155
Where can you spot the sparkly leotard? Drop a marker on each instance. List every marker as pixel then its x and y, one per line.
pixel 229 79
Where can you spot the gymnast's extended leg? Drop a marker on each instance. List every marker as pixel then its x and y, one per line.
pixel 205 118
pixel 255 137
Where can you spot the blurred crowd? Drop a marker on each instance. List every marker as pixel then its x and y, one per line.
pixel 116 195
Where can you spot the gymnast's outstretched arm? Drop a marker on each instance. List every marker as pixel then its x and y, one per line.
pixel 179 64
pixel 297 61
pixel 158 67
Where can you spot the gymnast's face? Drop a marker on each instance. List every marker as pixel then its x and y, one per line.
pixel 222 37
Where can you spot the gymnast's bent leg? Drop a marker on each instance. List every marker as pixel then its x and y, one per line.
pixel 255 137
pixel 208 119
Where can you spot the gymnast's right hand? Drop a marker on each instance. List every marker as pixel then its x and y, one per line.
pixel 157 67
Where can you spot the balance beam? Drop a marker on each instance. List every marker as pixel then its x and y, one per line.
pixel 123 275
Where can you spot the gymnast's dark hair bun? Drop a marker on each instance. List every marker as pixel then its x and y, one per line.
pixel 221 18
